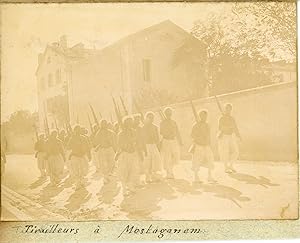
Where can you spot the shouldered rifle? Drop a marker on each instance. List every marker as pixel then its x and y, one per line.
pixel 219 105
pixel 162 115
pixel 94 114
pixel 36 133
pixel 124 106
pixel 139 110
pixel 56 127
pixel 117 111
pixel 194 111
pixel 90 123
pixel 47 130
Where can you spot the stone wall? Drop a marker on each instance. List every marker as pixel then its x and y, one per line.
pixel 266 117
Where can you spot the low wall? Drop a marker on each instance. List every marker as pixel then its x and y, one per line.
pixel 266 117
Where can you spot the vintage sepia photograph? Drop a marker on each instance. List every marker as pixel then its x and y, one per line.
pixel 149 111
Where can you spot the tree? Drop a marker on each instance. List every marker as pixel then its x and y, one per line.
pixel 239 43
pixel 275 24
pixel 21 122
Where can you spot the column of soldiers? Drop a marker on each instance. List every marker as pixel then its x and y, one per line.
pixel 135 150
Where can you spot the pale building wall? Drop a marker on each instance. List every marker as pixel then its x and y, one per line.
pixel 266 116
pixel 94 81
pixel 160 48
pixel 118 70
pixel 50 67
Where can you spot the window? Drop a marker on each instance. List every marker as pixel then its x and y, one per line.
pixel 50 81
pixel 58 76
pixel 147 70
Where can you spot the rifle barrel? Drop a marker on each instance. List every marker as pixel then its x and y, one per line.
pixel 94 114
pixel 219 105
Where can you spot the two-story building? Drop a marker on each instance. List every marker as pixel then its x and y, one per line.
pixel 163 57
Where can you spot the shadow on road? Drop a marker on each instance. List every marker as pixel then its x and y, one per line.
pixel 249 179
pixel 77 199
pixel 40 181
pixel 108 192
pixel 225 192
pixel 146 200
pixel 49 192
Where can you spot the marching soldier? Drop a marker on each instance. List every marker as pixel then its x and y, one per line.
pixel 152 161
pixel 80 152
pixel 228 134
pixel 127 156
pixel 110 126
pixel 56 157
pixel 40 155
pixel 105 141
pixel 116 128
pixel 141 146
pixel 84 133
pixel 94 154
pixel 170 140
pixel 62 136
pixel 202 154
pixel 94 131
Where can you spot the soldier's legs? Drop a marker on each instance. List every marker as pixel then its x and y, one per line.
pixel 51 169
pixel 169 165
pixel 168 160
pixel 76 170
pixel 210 166
pixel 147 167
pixel 107 163
pixel 223 147
pixel 110 161
pixel 234 152
pixel 41 164
pixel 133 176
pixel 196 161
pixel 123 167
pixel 175 156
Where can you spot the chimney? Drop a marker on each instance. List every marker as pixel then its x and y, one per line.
pixel 63 42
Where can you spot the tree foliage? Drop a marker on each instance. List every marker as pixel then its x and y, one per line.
pixel 20 122
pixel 275 24
pixel 239 44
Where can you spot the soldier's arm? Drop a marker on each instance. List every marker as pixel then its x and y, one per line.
pixel 142 140
pixel 209 134
pixel 221 127
pixel 96 139
pixel 62 152
pixel 156 136
pixel 36 146
pixel 88 149
pixel 193 133
pixel 236 129
pixel 119 142
pixel 161 128
pixel 178 135
pixel 114 141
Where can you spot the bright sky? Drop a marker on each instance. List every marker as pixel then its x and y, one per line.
pixel 27 28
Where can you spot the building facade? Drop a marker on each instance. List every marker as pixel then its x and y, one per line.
pixel 162 60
